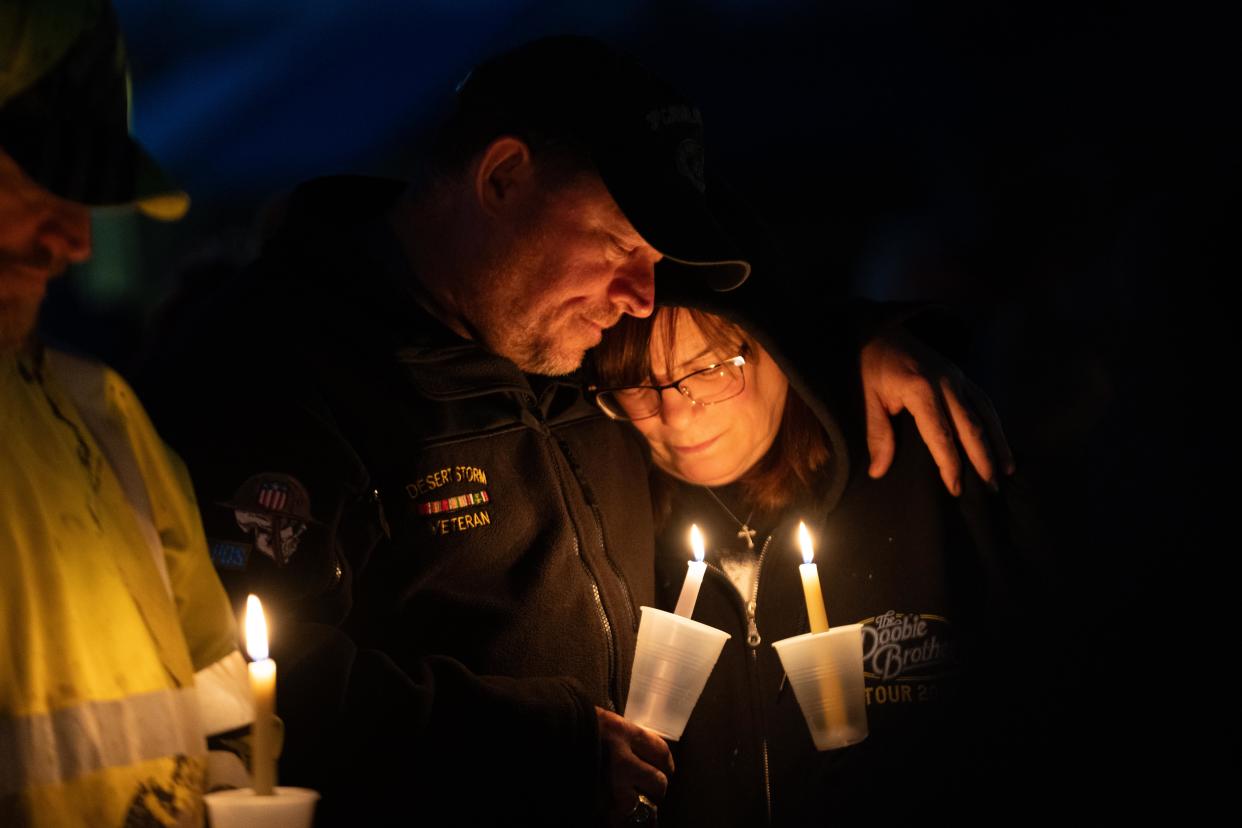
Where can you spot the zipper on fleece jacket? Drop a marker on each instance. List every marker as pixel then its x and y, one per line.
pixel 590 498
pixel 753 640
pixel 610 639
pixel 538 422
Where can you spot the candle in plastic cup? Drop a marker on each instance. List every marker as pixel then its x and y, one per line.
pixel 674 659
pixel 826 673
pixel 242 808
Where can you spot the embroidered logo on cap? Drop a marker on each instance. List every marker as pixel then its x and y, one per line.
pixel 690 163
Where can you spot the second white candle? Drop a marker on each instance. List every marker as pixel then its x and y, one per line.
pixel 694 576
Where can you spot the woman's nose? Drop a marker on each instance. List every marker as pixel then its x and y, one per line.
pixel 676 409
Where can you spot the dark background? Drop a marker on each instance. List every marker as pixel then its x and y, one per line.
pixel 1062 174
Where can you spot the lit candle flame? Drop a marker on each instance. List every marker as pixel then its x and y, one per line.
pixel 696 542
pixel 804 538
pixel 256 629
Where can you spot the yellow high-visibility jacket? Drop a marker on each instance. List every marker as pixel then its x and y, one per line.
pixel 109 606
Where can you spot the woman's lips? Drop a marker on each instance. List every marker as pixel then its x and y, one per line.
pixel 697 447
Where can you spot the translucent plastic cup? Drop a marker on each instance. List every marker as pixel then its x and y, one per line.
pixel 674 658
pixel 826 672
pixel 241 808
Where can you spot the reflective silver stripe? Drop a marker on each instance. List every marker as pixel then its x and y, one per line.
pixel 55 747
pixel 224 699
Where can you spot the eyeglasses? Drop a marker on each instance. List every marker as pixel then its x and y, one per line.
pixel 706 386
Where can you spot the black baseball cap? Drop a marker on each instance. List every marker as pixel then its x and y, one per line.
pixel 65 107
pixel 644 139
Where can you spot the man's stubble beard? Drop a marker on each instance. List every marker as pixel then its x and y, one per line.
pixel 496 309
pixel 543 354
pixel 18 317
pixel 21 301
pixel 531 343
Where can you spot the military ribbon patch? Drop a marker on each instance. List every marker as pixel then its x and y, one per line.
pixel 452 504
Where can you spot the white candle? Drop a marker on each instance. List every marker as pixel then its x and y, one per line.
pixel 694 576
pixel 815 610
pixel 263 688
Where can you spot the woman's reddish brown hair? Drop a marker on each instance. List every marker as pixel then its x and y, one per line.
pixel 791 468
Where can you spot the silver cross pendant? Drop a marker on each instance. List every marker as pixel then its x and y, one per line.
pixel 749 534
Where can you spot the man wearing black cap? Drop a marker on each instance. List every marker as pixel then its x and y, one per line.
pixel 457 620
pixel 120 649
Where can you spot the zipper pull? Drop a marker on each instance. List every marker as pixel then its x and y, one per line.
pixel 379 512
pixel 752 629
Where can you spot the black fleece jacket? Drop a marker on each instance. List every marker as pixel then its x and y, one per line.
pixel 462 585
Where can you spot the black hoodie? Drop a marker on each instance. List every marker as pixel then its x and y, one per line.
pixel 933 579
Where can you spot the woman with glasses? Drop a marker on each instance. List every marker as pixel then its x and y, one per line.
pixel 744 453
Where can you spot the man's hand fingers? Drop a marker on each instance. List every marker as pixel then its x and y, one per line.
pixel 970 430
pixel 880 441
pixel 991 421
pixel 636 761
pixel 643 743
pixel 649 747
pixel 935 428
pixel 633 774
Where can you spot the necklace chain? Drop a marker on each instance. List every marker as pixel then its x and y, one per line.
pixel 744 526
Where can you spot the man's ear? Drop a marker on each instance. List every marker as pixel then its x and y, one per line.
pixel 504 173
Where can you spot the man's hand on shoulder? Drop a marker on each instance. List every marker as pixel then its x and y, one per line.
pixel 900 373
